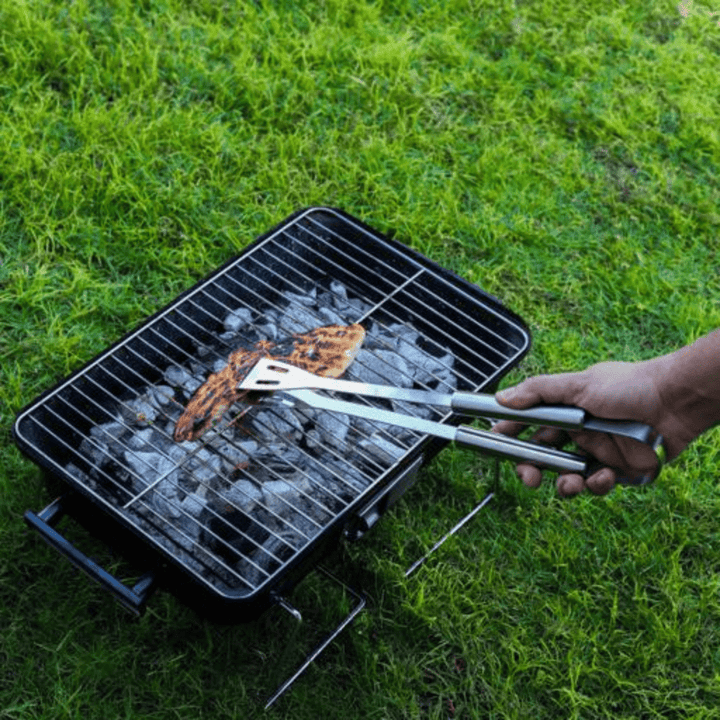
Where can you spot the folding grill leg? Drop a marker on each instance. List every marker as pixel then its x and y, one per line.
pixel 459 524
pixel 312 656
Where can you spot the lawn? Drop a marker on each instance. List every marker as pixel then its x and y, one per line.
pixel 564 156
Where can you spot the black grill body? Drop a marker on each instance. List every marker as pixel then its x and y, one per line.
pixel 231 541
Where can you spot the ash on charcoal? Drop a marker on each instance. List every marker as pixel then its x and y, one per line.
pixel 381 367
pixel 333 429
pixel 309 298
pixel 95 451
pixel 139 411
pixel 237 320
pixel 147 467
pixel 178 377
pixel 327 316
pixel 382 449
pixel 218 365
pixel 77 473
pixel 276 459
pixel 243 494
pixel 348 307
pixel 160 395
pixel 426 412
pixel 339 294
pixel 204 467
pixel 345 476
pixel 164 496
pixel 236 455
pixel 190 517
pixel 297 319
pixel 193 505
pixel 110 436
pixel 142 439
pixel 278 421
pixel 281 496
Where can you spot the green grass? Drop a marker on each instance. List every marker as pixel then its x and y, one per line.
pixel 565 156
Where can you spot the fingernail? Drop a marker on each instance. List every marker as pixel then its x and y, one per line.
pixel 506 394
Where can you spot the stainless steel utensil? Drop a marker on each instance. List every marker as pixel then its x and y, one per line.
pixel 270 375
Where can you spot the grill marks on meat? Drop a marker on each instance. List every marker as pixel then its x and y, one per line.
pixel 326 351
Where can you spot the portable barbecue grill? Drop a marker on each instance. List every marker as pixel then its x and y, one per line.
pixel 233 520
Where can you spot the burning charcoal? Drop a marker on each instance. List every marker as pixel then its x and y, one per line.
pixel 110 435
pixel 382 449
pixel 340 296
pixel 204 467
pixel 382 367
pixel 236 455
pixel 139 411
pixel 309 298
pixel 333 428
pixel 280 420
pixel 281 496
pixel 164 497
pixel 160 395
pixel 232 534
pixel 179 377
pixel 328 316
pixel 238 319
pixel 142 439
pixel 243 494
pixel 298 319
pixel 94 450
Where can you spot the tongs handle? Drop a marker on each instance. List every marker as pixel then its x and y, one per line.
pixel 551 458
pixel 566 417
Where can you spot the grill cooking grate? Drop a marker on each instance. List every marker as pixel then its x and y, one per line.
pixel 238 506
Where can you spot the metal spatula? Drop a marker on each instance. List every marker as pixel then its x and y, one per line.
pixel 270 375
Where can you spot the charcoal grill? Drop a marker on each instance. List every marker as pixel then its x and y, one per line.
pixel 232 521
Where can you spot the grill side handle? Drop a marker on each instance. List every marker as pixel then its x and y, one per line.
pixel 134 598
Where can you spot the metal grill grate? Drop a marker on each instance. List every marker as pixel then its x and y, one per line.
pixel 237 507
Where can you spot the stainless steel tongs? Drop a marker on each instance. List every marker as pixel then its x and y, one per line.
pixel 270 375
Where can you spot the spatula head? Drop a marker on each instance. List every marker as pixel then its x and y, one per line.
pixel 269 375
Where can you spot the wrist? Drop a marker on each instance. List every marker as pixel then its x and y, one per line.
pixel 688 385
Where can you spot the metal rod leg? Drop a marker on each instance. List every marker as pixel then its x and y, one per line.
pixel 361 602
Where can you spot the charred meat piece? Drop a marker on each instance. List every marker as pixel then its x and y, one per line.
pixel 325 351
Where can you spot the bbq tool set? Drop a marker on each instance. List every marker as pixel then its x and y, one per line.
pixel 270 375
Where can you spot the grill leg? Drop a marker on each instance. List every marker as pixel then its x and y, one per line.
pixel 462 522
pixel 312 656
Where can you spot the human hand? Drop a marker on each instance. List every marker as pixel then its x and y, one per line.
pixel 609 390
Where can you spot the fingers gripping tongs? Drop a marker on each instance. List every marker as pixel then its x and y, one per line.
pixel 270 375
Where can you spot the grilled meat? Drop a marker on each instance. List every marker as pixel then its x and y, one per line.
pixel 326 351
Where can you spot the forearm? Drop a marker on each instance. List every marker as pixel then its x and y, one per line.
pixel 688 382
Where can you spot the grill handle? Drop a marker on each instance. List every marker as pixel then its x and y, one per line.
pixel 134 599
